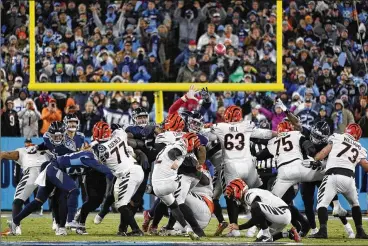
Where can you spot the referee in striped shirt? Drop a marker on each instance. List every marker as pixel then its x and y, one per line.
pixel 266 168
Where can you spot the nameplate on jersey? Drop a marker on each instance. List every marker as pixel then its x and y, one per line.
pixel 114 142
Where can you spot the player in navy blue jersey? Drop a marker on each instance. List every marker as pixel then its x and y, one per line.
pixel 54 174
pixel 143 131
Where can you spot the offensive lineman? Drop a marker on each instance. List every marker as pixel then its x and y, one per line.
pixel 31 165
pixel 112 150
pixel 344 153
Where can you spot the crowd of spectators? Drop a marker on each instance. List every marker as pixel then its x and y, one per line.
pixel 325 51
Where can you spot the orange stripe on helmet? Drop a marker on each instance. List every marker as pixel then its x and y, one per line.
pixel 174 122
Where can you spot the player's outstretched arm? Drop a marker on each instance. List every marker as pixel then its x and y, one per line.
pixel 9 155
pixel 323 153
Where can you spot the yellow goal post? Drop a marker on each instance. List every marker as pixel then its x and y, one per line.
pixel 158 88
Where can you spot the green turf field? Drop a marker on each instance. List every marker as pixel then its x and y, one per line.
pixel 38 228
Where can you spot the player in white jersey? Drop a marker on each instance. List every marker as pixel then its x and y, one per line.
pixel 287 149
pixel 199 200
pixel 112 151
pixel 165 179
pixel 173 131
pixel 31 165
pixel 268 211
pixel 234 136
pixel 344 153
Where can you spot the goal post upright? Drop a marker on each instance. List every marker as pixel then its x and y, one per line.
pixel 158 88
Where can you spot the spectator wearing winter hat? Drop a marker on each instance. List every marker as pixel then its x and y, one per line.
pixel 109 23
pixel 10 121
pixel 29 118
pixel 21 102
pixel 50 114
pixel 326 81
pixel 341 117
pixel 183 57
pixel 323 102
pixel 275 116
pixel 189 18
pixel 154 68
pixel 323 116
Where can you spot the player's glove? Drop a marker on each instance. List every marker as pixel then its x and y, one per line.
pixel 32 149
pixel 205 95
pixel 191 93
pixel 316 165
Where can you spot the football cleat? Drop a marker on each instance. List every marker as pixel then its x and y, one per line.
pixel 264 239
pixel 146 221
pixel 12 227
pixel 220 228
pixel 98 219
pixel 137 233
pixel 192 235
pixel 81 229
pixel 321 234
pixel 251 231
pixel 61 231
pixel 54 225
pixel 152 230
pixel 294 235
pixel 349 231
pixel 71 225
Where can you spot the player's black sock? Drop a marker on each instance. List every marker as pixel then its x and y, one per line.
pixel 72 204
pixel 89 206
pixel 105 209
pixel 189 217
pixel 159 213
pixel 357 217
pixel 171 222
pixel 308 200
pixel 153 208
pixel 17 207
pixel 297 219
pixel 62 208
pixel 128 217
pixel 176 212
pixel 218 211
pixel 55 209
pixel 30 208
pixel 323 218
pixel 123 227
pixel 232 210
pixel 343 220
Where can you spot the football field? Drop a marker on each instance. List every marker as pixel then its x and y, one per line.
pixel 38 229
